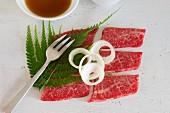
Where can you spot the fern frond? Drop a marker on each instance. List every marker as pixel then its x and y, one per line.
pixel 47 77
pixel 43 42
pixel 53 32
pixel 42 79
pixel 79 37
pixel 38 51
pixel 102 22
pixel 64 72
pixel 61 65
pixel 49 34
pixel 31 60
pixel 59 32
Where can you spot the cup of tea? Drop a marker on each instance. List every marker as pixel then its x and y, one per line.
pixel 106 3
pixel 48 9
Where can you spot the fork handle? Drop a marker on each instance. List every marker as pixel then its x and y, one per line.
pixel 17 99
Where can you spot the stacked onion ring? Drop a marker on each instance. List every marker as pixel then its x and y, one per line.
pixel 94 67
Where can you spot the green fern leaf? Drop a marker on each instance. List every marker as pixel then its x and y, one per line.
pixel 43 43
pixel 31 60
pixel 53 32
pixel 64 73
pixel 59 32
pixel 38 51
pixel 80 38
pixel 49 34
pixel 61 65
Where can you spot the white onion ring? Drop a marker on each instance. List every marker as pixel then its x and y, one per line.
pixel 77 51
pixel 96 68
pixel 92 67
pixel 86 79
pixel 96 48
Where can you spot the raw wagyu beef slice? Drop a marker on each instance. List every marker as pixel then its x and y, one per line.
pixel 74 90
pixel 113 87
pixel 123 37
pixel 124 61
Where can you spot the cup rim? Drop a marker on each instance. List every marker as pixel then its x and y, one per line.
pixel 48 18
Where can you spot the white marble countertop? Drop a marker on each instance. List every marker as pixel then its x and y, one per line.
pixel 153 95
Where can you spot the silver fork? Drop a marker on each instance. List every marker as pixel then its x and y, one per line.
pixel 52 53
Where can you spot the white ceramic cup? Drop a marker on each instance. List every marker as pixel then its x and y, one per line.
pixel 106 3
pixel 24 8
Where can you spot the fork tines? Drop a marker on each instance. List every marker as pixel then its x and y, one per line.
pixel 62 44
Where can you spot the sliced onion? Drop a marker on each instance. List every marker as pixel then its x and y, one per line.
pixel 93 68
pixel 96 68
pixel 75 52
pixel 96 49
pixel 85 75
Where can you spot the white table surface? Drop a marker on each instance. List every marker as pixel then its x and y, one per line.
pixel 153 95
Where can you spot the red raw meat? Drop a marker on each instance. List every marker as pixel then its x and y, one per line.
pixel 123 37
pixel 124 61
pixel 90 37
pixel 114 87
pixel 74 90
